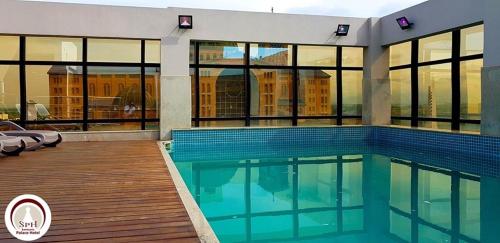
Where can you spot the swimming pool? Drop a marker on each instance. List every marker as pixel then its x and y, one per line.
pixel 360 184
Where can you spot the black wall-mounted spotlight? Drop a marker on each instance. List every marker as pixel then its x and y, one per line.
pixel 185 22
pixel 404 23
pixel 342 30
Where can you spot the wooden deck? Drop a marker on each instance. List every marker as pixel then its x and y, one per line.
pixel 99 192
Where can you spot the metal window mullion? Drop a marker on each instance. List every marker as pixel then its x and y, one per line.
pixel 339 86
pixel 197 83
pixel 455 81
pixel 22 80
pixel 85 88
pixel 143 85
pixel 248 87
pixel 295 86
pixel 414 83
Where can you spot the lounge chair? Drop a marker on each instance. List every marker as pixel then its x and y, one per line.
pixel 42 137
pixel 10 145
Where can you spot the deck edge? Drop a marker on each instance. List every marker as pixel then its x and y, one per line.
pixel 203 229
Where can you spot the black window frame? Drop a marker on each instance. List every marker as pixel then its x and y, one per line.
pixel 295 68
pixel 455 121
pixel 84 63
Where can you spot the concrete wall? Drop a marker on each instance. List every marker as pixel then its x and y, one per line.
pixel 431 17
pixel 490 118
pixel 237 26
pixel 376 83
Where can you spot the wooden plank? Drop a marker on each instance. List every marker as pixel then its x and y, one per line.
pixel 99 192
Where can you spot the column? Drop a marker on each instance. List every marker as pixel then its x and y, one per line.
pixel 376 85
pixel 490 85
pixel 175 86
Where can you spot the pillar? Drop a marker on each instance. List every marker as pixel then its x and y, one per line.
pixel 175 86
pixel 376 84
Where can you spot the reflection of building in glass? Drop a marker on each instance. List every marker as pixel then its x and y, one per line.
pixel 113 93
pixel 222 91
pixel 315 90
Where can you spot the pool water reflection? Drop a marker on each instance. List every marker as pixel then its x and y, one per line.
pixel 345 198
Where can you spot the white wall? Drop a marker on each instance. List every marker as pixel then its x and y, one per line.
pixel 431 17
pixel 41 18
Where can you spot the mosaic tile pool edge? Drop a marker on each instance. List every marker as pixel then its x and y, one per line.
pixel 487 146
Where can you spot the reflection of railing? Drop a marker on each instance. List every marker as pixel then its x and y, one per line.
pixel 413 216
pixel 339 208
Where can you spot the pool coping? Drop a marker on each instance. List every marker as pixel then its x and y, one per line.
pixel 422 129
pixel 203 229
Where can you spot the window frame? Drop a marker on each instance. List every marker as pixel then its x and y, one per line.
pixel 22 63
pixel 247 67
pixel 455 60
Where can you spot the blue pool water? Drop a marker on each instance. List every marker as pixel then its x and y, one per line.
pixel 350 191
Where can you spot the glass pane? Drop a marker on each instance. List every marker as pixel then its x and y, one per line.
pixel 316 122
pixel 400 187
pixel 434 91
pixel 114 92
pixel 152 126
pixel 238 123
pixel 54 92
pixel 468 127
pixel 472 40
pixel 405 123
pixel 352 93
pixel 470 208
pixel 352 121
pixel 271 92
pixel 271 123
pixel 54 49
pixel 114 50
pixel 317 56
pixel 9 91
pixel 401 92
pixel 470 89
pixel 317 93
pixel 66 127
pixel 435 125
pixel 9 48
pixel 193 92
pixel 115 126
pixel 222 92
pixel 317 185
pixel 352 184
pixel 434 48
pixel 227 53
pixel 400 54
pixel 352 56
pixel 271 54
pixel 153 92
pixel 434 198
pixel 153 51
pixel 191 53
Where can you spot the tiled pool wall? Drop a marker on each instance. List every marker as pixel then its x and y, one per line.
pixel 463 152
pixel 391 136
